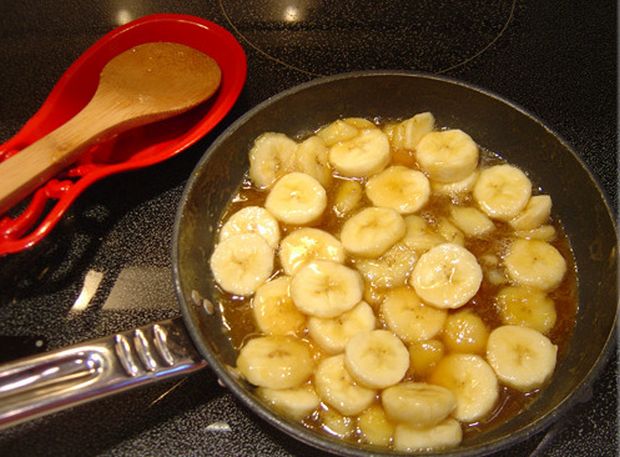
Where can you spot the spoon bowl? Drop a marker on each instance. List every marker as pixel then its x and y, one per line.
pixel 136 148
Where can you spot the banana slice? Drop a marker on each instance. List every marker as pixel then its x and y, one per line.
pixel 360 123
pixel 535 263
pixel 409 318
pixel 522 358
pixel 364 155
pixel 447 156
pixel 447 276
pixel 295 403
pixel 337 388
pixel 457 188
pixel 399 188
pixel 372 231
pixel 419 235
pixel 502 191
pixel 274 310
pixel 296 199
pixel 543 233
pixel 323 288
pixel 308 244
pixel 271 156
pixel 347 198
pixel 241 263
pixel 418 404
pixel 337 131
pixel 391 269
pixel 494 274
pixel 376 359
pixel 408 133
pixel 442 436
pixel 450 232
pixel 526 307
pixel 424 356
pixel 465 332
pixel 253 219
pixel 332 335
pixel 536 213
pixel 375 427
pixel 472 222
pixel 335 423
pixel 275 362
pixel 311 158
pixel 472 381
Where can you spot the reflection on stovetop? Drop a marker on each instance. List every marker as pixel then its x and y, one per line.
pixel 336 36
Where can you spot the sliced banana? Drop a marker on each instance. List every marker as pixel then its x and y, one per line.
pixel 474 223
pixel 424 356
pixel 372 231
pixel 347 198
pixel 543 233
pixel 527 307
pixel 409 318
pixel 360 123
pixel 253 219
pixel 400 188
pixel 274 310
pixel 408 133
pixel 446 276
pixel 442 436
pixel 419 235
pixel 337 131
pixel 376 359
pixel 307 244
pixel 447 156
pixel 502 191
pixel 295 403
pixel 335 423
pixel 271 156
pixel 364 155
pixel 275 362
pixel 465 332
pixel 323 288
pixel 536 213
pixel 375 427
pixel 241 263
pixel 457 188
pixel 535 263
pixel 391 269
pixel 332 335
pixel 418 404
pixel 472 381
pixel 296 199
pixel 311 158
pixel 450 232
pixel 337 388
pixel 523 358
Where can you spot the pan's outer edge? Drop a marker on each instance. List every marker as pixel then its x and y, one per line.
pixel 340 447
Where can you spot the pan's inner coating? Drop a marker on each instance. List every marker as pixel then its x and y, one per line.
pixel 471 355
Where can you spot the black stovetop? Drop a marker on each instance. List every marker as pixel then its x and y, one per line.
pixel 555 59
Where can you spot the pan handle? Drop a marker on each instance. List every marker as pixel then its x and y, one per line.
pixel 41 384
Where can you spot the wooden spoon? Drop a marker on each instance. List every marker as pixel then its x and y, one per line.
pixel 147 83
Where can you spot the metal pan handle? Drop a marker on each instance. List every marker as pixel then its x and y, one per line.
pixel 39 385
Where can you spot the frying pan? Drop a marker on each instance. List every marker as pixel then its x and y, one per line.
pixel 46 383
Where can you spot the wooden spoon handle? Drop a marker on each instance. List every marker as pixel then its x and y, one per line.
pixel 33 166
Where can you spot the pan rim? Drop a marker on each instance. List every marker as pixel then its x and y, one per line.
pixel 331 444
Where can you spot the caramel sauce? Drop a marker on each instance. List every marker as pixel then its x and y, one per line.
pixel 238 318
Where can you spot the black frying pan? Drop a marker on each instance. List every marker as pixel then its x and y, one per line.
pixel 163 349
pixel 494 123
